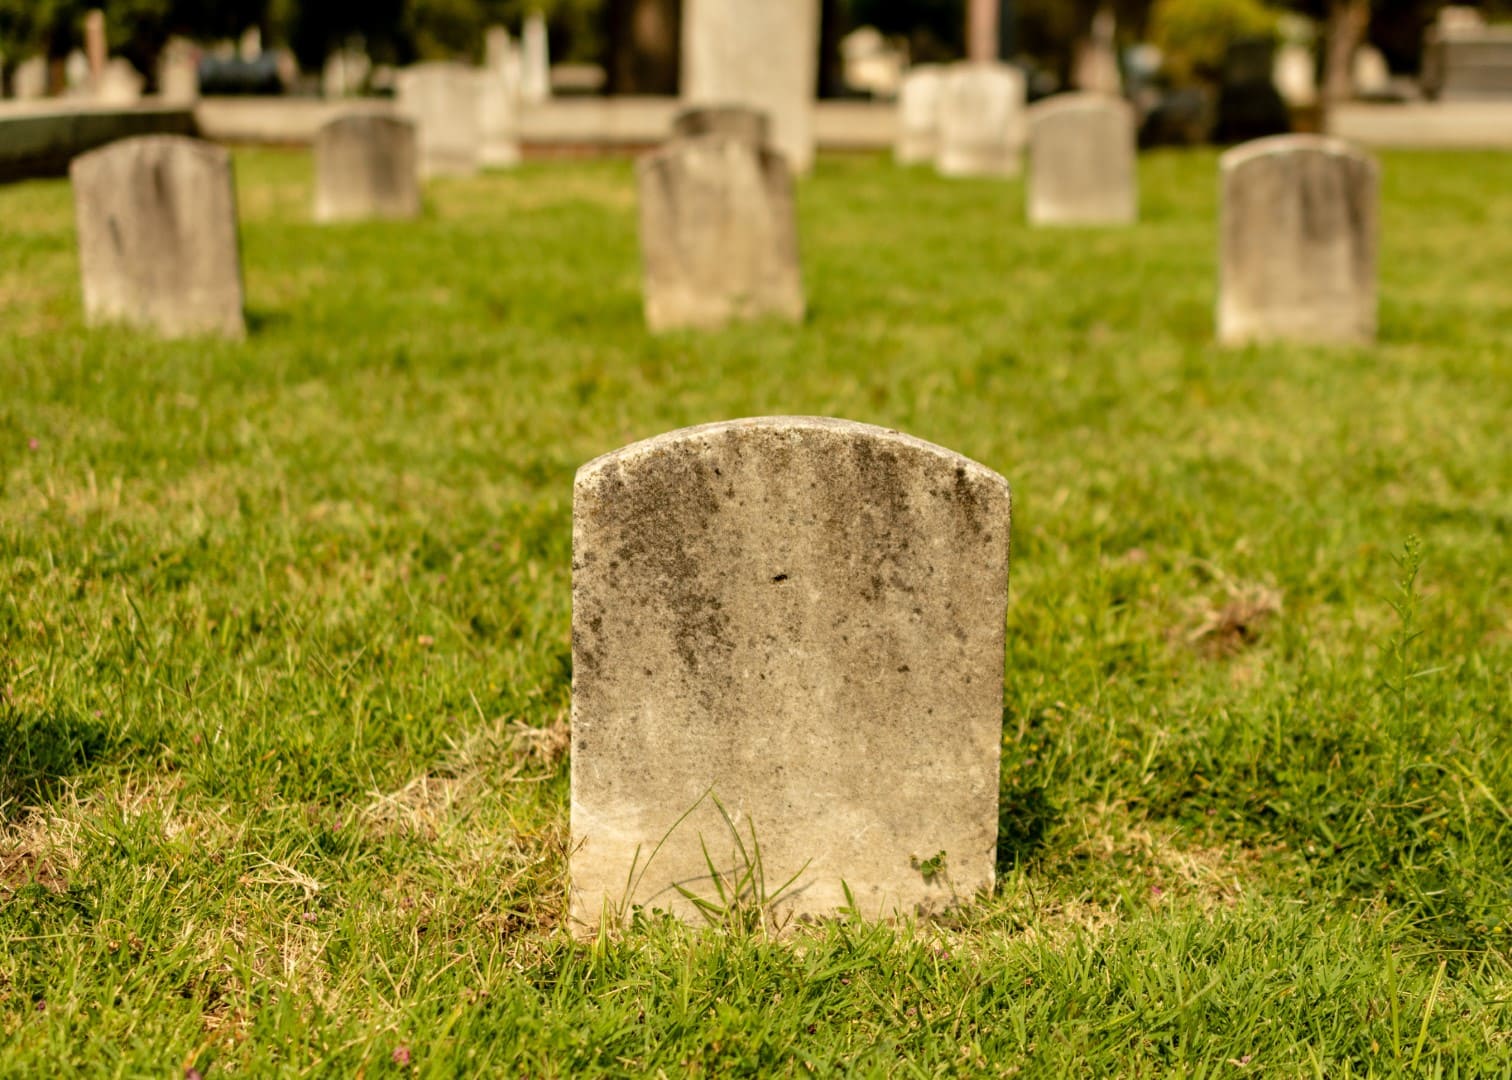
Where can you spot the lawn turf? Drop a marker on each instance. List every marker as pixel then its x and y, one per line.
pixel 285 663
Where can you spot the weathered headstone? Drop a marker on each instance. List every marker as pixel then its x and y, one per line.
pixel 982 127
pixel 1298 242
pixel 765 55
pixel 78 81
pixel 919 115
pixel 119 83
pixel 739 121
pixel 1296 75
pixel 719 234
pixel 178 72
pixel 1082 161
pixel 499 119
pixel 366 166
pixel 345 72
pixel 156 219
pixel 802 618
pixel 445 102
pixel 29 81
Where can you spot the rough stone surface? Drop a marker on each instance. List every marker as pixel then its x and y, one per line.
pixel 157 236
pixel 366 166
pixel 719 234
pixel 1298 242
pixel 740 121
pixel 919 115
pixel 765 55
pixel 804 618
pixel 982 127
pixel 1082 161
pixel 445 101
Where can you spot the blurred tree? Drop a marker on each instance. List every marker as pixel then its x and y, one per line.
pixel 935 29
pixel 1195 35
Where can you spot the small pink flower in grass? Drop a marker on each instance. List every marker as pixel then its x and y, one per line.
pixel 191 1073
pixel 1156 890
pixel 32 444
pixel 309 916
pixel 401 1055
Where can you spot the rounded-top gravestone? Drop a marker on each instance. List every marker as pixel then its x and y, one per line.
pixel 1082 161
pixel 366 166
pixel 981 120
pixel 719 234
pixel 156 220
pixel 445 101
pixel 1297 260
pixel 786 632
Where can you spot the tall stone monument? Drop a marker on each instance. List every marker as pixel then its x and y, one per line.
pixel 787 634
pixel 535 60
pixel 765 55
pixel 1297 258
pixel 157 236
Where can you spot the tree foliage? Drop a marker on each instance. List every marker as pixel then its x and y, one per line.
pixel 392 30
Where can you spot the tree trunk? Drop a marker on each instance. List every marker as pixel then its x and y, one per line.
pixel 644 46
pixel 1348 20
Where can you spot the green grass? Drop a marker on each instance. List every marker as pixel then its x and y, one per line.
pixel 284 654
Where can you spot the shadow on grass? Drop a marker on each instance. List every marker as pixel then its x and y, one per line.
pixel 262 321
pixel 38 750
pixel 1025 817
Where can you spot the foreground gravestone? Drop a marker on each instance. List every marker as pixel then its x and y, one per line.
pixel 444 101
pixel 740 121
pixel 919 115
pixel 1082 161
pixel 765 55
pixel 1298 242
pixel 981 120
pixel 801 618
pixel 719 234
pixel 157 236
pixel 366 166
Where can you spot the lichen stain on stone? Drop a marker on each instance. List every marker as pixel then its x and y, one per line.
pixel 656 516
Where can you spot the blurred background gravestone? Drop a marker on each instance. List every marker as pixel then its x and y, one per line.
pixel 981 127
pixel 719 234
pixel 1297 242
pixel 919 115
pixel 1082 167
pixel 366 166
pixel 157 233
pixel 738 121
pixel 444 100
